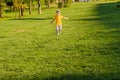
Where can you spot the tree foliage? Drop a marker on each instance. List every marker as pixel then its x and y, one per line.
pixel 19 5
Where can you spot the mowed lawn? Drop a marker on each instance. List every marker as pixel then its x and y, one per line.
pixel 88 48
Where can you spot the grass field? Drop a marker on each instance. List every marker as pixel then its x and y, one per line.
pixel 88 48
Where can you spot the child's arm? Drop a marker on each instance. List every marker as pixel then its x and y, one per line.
pixel 52 21
pixel 65 18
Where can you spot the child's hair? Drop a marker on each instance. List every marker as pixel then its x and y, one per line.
pixel 57 10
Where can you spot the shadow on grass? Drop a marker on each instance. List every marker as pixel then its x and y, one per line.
pixel 32 19
pixel 87 19
pixel 82 77
pixel 107 13
pixel 76 77
pixel 110 15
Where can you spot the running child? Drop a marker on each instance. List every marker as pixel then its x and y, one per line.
pixel 58 18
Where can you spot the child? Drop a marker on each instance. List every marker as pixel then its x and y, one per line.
pixel 58 19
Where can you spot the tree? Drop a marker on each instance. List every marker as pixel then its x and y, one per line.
pixel 39 7
pixel 60 3
pixel 10 4
pixel 22 8
pixel 15 6
pixel 64 3
pixel 30 6
pixel 67 3
pixel 0 8
pixel 47 2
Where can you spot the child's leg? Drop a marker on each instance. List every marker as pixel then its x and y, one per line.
pixel 60 29
pixel 57 30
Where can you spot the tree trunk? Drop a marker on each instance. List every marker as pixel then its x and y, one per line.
pixel 39 7
pixel 60 4
pixel 30 8
pixel 19 13
pixel 15 9
pixel 22 9
pixel 48 3
pixel 20 2
pixel 0 8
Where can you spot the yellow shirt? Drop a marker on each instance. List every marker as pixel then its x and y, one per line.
pixel 58 20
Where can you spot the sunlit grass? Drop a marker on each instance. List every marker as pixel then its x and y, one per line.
pixel 88 48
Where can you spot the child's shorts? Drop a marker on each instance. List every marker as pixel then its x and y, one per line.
pixel 58 28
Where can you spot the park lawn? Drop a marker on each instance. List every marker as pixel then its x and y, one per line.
pixel 88 48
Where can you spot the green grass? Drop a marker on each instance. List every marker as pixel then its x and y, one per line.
pixel 88 48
